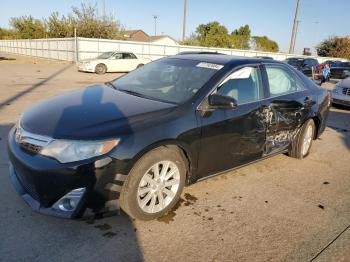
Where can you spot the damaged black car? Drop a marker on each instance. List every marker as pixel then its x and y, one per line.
pixel 135 142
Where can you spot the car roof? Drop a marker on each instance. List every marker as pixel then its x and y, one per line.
pixel 301 58
pixel 221 59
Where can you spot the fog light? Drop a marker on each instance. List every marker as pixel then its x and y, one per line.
pixel 67 204
pixel 70 201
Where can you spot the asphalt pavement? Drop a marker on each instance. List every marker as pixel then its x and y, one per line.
pixel 279 209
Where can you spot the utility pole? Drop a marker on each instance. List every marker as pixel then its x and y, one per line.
pixel 184 21
pixel 316 34
pixel 155 24
pixel 292 39
pixel 296 33
pixel 76 48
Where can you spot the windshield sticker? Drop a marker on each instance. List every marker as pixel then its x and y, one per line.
pixel 209 65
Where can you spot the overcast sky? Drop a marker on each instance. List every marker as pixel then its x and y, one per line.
pixel 273 18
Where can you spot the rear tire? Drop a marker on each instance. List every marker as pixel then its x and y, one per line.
pixel 145 195
pixel 100 69
pixel 302 142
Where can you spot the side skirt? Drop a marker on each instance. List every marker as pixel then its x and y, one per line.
pixel 240 166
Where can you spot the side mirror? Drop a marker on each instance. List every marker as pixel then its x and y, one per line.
pixel 223 102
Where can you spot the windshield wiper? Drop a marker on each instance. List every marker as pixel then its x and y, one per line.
pixel 111 85
pixel 134 93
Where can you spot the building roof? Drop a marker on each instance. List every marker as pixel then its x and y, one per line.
pixel 158 37
pixel 132 32
pixel 140 36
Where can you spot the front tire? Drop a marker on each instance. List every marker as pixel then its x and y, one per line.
pixel 154 184
pixel 302 142
pixel 100 69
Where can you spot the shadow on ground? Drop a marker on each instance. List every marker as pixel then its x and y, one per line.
pixel 6 58
pixel 339 120
pixel 54 239
pixel 33 87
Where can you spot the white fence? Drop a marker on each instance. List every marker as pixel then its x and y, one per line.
pixel 72 49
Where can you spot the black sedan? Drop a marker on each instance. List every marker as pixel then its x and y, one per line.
pixel 137 141
pixel 340 70
pixel 302 64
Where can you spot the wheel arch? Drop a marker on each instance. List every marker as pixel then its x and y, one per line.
pixel 184 149
pixel 317 121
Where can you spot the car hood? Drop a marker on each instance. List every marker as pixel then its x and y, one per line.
pixel 96 112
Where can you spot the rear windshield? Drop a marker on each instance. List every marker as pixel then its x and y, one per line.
pixel 295 62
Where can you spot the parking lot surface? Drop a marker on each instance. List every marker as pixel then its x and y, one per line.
pixel 279 209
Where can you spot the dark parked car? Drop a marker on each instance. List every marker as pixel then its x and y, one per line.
pixel 302 64
pixel 138 140
pixel 340 70
pixel 265 57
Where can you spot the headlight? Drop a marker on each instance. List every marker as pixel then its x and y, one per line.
pixel 70 150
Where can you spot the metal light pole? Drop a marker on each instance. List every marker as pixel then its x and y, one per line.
pixel 155 24
pixel 184 21
pixel 292 39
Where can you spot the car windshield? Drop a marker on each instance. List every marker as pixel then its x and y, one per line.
pixel 170 79
pixel 345 64
pixel 105 55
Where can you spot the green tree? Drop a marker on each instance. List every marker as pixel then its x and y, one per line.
pixel 89 25
pixel 263 43
pixel 192 40
pixel 213 34
pixel 335 47
pixel 60 26
pixel 27 27
pixel 7 34
pixel 240 37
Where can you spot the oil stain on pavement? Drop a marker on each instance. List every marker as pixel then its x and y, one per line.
pixel 169 217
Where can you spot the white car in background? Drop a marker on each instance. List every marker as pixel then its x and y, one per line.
pixel 341 93
pixel 112 62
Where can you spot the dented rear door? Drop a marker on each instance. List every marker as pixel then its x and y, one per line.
pixel 286 108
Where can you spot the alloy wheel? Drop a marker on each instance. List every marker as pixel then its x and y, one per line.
pixel 158 187
pixel 307 140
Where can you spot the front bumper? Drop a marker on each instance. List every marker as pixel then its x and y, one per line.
pixel 340 99
pixel 35 205
pixel 86 67
pixel 42 182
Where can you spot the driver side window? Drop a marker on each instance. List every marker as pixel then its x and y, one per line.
pixel 243 84
pixel 117 56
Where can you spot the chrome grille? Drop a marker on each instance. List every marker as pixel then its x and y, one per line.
pixel 31 142
pixel 346 91
pixel 31 148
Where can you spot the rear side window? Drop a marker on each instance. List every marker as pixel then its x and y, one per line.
pixel 244 85
pixel 310 62
pixel 129 56
pixel 282 81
